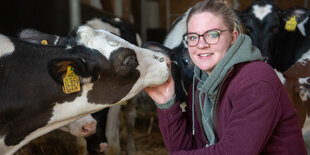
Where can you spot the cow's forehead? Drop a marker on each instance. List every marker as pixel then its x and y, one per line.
pixel 101 40
pixel 261 12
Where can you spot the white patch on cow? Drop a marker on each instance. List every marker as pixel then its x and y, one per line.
pixel 304 93
pixel 76 128
pixel 96 23
pixel 56 40
pixel 6 46
pixel 261 12
pixel 4 148
pixel 65 110
pixel 304 57
pixel 306 126
pixel 139 40
pixel 280 75
pixel 301 26
pixel 175 37
pixel 103 41
pixel 117 19
pixel 303 80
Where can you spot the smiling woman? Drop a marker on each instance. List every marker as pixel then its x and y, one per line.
pixel 234 94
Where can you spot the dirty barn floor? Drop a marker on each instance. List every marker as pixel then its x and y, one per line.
pixel 61 143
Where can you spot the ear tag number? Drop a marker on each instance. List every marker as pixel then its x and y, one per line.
pixel 291 24
pixel 71 81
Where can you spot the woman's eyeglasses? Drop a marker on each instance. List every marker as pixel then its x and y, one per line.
pixel 211 37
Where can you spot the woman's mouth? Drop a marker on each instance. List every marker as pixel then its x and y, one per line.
pixel 205 54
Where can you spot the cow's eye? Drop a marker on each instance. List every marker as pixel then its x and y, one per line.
pixel 248 29
pixel 185 61
pixel 130 62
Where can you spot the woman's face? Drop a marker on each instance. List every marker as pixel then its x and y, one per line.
pixel 204 55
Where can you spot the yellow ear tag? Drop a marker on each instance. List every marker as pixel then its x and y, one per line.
pixel 71 81
pixel 44 42
pixel 291 24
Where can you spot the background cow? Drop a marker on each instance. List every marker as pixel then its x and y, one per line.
pixel 111 71
pixel 265 23
pixel 296 80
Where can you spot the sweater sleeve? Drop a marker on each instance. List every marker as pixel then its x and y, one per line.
pixel 176 127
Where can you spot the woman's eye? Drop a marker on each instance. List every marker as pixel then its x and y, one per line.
pixel 213 34
pixel 192 37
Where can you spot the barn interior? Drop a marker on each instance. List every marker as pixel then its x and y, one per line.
pixel 151 18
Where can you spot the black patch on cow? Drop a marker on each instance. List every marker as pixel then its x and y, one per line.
pixel 117 78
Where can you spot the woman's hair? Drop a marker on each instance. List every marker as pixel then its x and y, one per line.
pixel 217 7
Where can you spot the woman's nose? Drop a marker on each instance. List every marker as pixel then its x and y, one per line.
pixel 202 43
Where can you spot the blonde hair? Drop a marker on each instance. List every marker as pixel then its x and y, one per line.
pixel 218 8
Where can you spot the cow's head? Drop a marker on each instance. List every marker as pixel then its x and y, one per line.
pixel 262 22
pixel 182 67
pixel 265 23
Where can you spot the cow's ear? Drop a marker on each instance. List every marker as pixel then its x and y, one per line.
pixel 38 37
pixel 58 68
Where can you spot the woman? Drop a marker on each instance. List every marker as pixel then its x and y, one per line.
pixel 237 104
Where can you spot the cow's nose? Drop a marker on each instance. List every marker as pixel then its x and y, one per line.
pixel 89 128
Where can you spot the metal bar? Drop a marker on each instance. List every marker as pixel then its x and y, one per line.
pixel 168 15
pixel 75 13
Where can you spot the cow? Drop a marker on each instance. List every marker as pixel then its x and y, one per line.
pixel 179 50
pixel 296 80
pixel 265 23
pixel 45 87
pixel 97 143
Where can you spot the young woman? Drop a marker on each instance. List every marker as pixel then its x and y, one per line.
pixel 237 104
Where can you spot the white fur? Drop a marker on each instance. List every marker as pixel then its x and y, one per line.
pixel 96 23
pixel 301 26
pixel 76 128
pixel 261 12
pixel 304 57
pixel 175 37
pixel 6 46
pixel 304 92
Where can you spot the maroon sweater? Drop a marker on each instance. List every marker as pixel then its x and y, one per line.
pixel 253 116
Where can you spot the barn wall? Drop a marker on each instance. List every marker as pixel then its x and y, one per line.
pixel 52 17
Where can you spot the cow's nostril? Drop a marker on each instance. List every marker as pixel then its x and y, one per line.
pixel 161 59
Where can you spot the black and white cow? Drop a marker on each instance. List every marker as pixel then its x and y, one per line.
pixel 97 143
pixel 265 24
pixel 179 50
pixel 33 102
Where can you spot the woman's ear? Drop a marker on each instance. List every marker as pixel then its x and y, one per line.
pixel 235 35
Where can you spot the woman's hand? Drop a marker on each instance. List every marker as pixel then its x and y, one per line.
pixel 162 93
